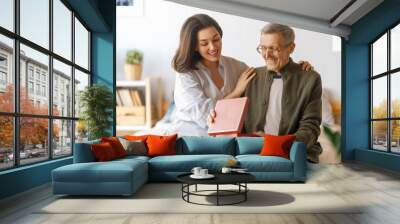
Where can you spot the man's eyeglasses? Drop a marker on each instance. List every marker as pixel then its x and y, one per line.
pixel 275 50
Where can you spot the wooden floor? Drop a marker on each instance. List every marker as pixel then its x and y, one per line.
pixel 378 188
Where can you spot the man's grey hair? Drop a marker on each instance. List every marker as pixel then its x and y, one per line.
pixel 285 31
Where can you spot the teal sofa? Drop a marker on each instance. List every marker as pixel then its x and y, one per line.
pixel 125 176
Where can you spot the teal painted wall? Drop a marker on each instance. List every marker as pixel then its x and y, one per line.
pixel 100 16
pixel 103 63
pixel 91 12
pixel 355 130
pixel 104 53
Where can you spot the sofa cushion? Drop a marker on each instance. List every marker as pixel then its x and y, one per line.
pixel 111 171
pixel 257 163
pixel 197 145
pixel 185 163
pixel 249 145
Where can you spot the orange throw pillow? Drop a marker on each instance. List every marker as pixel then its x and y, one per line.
pixel 161 145
pixel 277 145
pixel 135 138
pixel 103 152
pixel 116 145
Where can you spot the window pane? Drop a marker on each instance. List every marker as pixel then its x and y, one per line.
pixel 379 135
pixel 62 29
pixel 81 81
pixel 379 55
pixel 7 14
pixel 395 47
pixel 34 72
pixel 6 74
pixel 62 89
pixel 6 142
pixel 62 138
pixel 81 131
pixel 33 139
pixel 379 97
pixel 81 45
pixel 395 138
pixel 395 95
pixel 35 21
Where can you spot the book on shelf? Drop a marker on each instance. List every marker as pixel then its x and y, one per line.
pixel 132 95
pixel 230 114
pixel 138 98
pixel 126 98
pixel 137 101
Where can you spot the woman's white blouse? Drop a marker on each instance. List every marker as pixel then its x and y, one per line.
pixel 196 94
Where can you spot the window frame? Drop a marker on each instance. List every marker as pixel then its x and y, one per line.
pixel 16 114
pixel 388 74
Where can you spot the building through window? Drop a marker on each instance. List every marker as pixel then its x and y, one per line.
pixel 41 83
pixel 385 92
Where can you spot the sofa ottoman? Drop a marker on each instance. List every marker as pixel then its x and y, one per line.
pixel 119 177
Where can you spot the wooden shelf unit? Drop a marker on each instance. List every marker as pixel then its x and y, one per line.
pixel 145 87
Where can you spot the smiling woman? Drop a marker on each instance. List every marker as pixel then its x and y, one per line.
pixel 203 74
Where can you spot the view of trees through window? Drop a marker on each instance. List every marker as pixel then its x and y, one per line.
pixel 38 112
pixel 385 91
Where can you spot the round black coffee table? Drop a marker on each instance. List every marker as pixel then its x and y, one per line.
pixel 238 179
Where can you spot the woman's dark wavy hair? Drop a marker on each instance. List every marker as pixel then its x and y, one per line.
pixel 186 56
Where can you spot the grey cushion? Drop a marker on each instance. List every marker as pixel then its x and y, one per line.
pixel 134 147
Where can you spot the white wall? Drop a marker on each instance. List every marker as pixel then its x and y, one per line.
pixel 156 33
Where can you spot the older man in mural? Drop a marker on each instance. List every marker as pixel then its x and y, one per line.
pixel 284 99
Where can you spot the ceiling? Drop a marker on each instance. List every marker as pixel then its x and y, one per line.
pixel 326 16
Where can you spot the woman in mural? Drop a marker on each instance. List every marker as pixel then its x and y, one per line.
pixel 204 75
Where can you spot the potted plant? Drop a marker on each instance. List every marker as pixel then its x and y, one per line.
pixel 97 103
pixel 133 65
